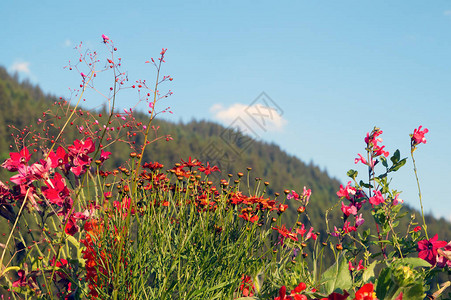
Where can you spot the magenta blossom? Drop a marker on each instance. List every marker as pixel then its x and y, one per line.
pixel 17 159
pixel 427 249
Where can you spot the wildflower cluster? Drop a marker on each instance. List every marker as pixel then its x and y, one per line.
pixel 82 230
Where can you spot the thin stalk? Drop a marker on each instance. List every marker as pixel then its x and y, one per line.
pixel 419 195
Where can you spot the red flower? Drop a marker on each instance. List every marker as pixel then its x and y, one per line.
pixel 59 158
pixel 286 233
pixel 153 166
pixel 337 296
pixel 56 190
pixel 104 155
pixel 249 217
pixel 366 292
pixel 301 286
pixel 22 281
pixel 71 226
pixel 282 294
pixel 247 287
pixel 191 163
pixel 208 169
pixel 427 249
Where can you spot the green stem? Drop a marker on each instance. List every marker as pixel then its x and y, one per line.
pixel 419 194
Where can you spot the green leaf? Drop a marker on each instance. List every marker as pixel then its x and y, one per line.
pixel 337 277
pixel 368 274
pixel 416 262
pixel 384 161
pixel 415 292
pixel 398 165
pixel 369 186
pixel 352 174
pixel 383 283
pixel 395 158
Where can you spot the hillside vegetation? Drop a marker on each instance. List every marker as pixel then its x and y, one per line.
pixel 23 103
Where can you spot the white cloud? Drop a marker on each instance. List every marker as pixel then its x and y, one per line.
pixel 447 12
pixel 253 116
pixel 67 43
pixel 21 67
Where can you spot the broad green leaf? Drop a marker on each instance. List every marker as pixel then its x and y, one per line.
pixel 337 277
pixel 398 165
pixel 415 292
pixel 416 262
pixel 368 273
pixel 383 283
pixel 395 157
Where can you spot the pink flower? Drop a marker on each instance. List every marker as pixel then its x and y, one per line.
pixel 427 249
pixel 377 198
pixel 359 267
pixel 22 281
pixel 346 191
pixel 105 38
pixel 336 232
pixel 396 200
pixel 380 151
pixel 348 210
pixel 418 136
pixel 444 256
pixel 306 194
pixel 304 198
pixel 293 195
pixel 359 220
pixel 360 158
pixel 348 228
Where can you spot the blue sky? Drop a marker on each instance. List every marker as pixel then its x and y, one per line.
pixel 334 69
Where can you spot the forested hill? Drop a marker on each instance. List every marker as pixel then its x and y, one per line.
pixel 22 104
